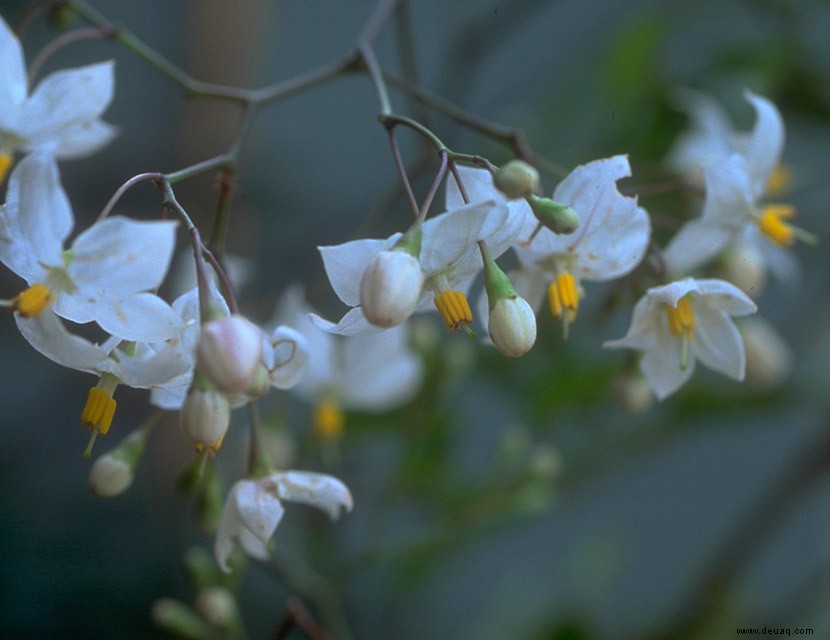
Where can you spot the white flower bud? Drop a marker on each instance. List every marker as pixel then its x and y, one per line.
pixel 110 476
pixel 744 266
pixel 768 358
pixel 229 353
pixel 217 606
pixel 516 179
pixel 205 417
pixel 390 287
pixel 633 393
pixel 512 326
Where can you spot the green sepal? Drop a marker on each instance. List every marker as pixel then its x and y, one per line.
pixel 558 217
pixel 411 241
pixel 496 282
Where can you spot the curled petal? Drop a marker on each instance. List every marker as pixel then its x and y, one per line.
pixel 315 489
pixel 286 357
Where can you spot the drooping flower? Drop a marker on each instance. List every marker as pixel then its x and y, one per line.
pixel 253 509
pixel 449 259
pixel 374 372
pixel 738 171
pixel 61 115
pixel 675 325
pixel 609 242
pixel 108 272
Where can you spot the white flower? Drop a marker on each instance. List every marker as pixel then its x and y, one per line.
pixel 609 242
pixel 254 508
pixel 678 323
pixel 376 371
pixel 105 276
pixel 449 258
pixel 737 169
pixel 62 114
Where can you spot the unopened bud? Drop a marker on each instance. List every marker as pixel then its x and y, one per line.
pixel 205 417
pixel 516 179
pixel 558 217
pixel 390 287
pixel 512 326
pixel 218 606
pixel 768 358
pixel 229 353
pixel 744 266
pixel 113 472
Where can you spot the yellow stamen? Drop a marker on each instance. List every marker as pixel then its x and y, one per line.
pixel 99 410
pixel 5 163
pixel 563 299
pixel 780 181
pixel 772 225
pixel 32 301
pixel 209 449
pixel 454 309
pixel 682 326
pixel 328 420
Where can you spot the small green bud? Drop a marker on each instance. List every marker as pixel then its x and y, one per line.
pixel 516 179
pixel 178 618
pixel 558 217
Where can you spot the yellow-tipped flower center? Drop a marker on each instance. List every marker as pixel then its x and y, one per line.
pixel 454 309
pixel 32 301
pixel 563 299
pixel 773 226
pixel 682 326
pixel 328 420
pixel 99 410
pixel 780 181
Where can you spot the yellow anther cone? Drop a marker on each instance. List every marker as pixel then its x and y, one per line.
pixel 454 309
pixel 32 301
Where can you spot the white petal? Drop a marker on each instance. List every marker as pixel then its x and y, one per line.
pixel 478 185
pixel 451 237
pixel 155 370
pixel 286 357
pixel 670 293
pixel 258 507
pixel 66 99
pixel 352 324
pixel 661 367
pixel 729 197
pixel 710 137
pixel 36 218
pixel 13 83
pixel 83 139
pixel 171 397
pixel 765 144
pixel 725 296
pixel 379 372
pixel 643 332
pixel 316 489
pixel 46 333
pixel 123 256
pixel 694 245
pixel 717 342
pixel 345 264
pixel 142 317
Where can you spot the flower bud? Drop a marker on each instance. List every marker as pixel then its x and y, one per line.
pixel 633 393
pixel 390 287
pixel 205 417
pixel 229 353
pixel 512 326
pixel 558 217
pixel 744 266
pixel 516 179
pixel 112 473
pixel 768 358
pixel 217 606
pixel 179 619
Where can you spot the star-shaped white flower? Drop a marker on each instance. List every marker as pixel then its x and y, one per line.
pixel 105 275
pixel 678 323
pixel 449 259
pixel 253 509
pixel 737 169
pixel 609 242
pixel 61 115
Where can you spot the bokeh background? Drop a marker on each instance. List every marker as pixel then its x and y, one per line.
pixel 511 499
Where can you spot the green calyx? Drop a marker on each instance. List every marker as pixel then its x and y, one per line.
pixel 411 241
pixel 496 282
pixel 558 217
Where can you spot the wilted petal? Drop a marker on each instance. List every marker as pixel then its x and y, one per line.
pixel 315 489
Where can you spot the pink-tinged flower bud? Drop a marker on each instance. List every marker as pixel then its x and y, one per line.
pixel 516 179
pixel 205 417
pixel 512 326
pixel 390 287
pixel 229 353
